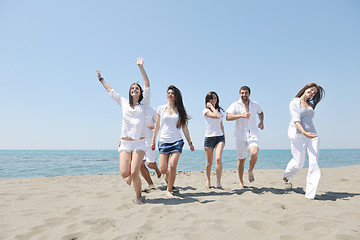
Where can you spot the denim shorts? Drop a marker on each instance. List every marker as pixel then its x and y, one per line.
pixel 166 148
pixel 211 142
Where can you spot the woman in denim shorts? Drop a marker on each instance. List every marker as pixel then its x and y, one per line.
pixel 171 118
pixel 214 136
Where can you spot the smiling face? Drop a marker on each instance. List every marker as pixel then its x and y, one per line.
pixel 310 92
pixel 213 100
pixel 244 95
pixel 135 90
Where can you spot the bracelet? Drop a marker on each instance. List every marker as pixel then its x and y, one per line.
pixel 100 79
pixel 190 143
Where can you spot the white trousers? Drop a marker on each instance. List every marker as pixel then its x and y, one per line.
pixel 299 146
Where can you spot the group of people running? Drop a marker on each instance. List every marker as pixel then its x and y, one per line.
pixel 141 124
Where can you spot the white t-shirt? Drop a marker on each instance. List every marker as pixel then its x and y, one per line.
pixel 245 128
pixel 169 133
pixel 213 125
pixel 150 119
pixel 133 124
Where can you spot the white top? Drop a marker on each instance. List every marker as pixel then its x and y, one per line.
pixel 213 125
pixel 245 128
pixel 169 133
pixel 150 119
pixel 300 114
pixel 133 124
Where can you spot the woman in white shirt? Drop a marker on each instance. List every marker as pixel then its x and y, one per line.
pixel 304 138
pixel 170 118
pixel 133 131
pixel 214 136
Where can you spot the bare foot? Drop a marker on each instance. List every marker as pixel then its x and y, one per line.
pixel 166 177
pixel 158 173
pixel 218 185
pixel 151 187
pixel 138 201
pixel 169 195
pixel 242 186
pixel 288 186
pixel 208 185
pixel 251 177
pixel 128 180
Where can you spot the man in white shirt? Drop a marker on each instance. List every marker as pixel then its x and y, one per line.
pixel 244 112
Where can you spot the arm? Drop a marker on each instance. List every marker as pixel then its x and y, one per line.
pixel 156 130
pixel 301 129
pixel 222 129
pixel 140 61
pixel 261 118
pixel 187 136
pixel 232 117
pixel 106 86
pixel 213 113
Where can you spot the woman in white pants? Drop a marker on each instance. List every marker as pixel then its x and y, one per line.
pixel 132 148
pixel 304 137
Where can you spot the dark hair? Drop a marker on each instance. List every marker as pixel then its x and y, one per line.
pixel 183 117
pixel 209 96
pixel 245 88
pixel 131 101
pixel 320 94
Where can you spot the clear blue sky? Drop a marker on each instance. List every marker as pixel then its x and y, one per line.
pixel 50 97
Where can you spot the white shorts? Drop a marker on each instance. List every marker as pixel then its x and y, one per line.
pixel 242 146
pixel 130 146
pixel 149 154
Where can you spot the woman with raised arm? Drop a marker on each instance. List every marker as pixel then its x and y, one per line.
pixel 133 130
pixel 304 138
pixel 171 117
pixel 214 136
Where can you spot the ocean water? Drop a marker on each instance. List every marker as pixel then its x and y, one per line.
pixel 46 163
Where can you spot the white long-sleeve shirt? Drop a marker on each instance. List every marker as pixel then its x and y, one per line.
pixel 133 124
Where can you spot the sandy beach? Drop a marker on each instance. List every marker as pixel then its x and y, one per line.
pixel 101 207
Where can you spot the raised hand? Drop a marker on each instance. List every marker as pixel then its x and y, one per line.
pixel 139 61
pixel 98 73
pixel 261 126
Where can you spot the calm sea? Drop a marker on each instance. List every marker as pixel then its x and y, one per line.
pixel 39 163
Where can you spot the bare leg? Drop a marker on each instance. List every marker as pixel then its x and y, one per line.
pixel 174 159
pixel 124 162
pixel 219 149
pixel 155 167
pixel 137 160
pixel 209 152
pixel 240 167
pixel 253 159
pixel 145 173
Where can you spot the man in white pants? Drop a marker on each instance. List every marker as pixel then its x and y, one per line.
pixel 246 133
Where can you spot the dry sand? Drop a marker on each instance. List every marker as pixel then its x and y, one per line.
pixel 101 207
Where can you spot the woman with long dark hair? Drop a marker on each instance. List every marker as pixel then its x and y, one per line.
pixel 214 136
pixel 304 138
pixel 134 109
pixel 171 118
